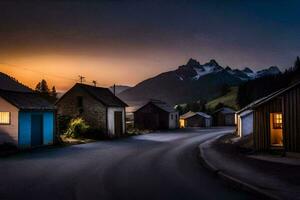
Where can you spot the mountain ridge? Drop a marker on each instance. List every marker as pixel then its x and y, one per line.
pixel 192 82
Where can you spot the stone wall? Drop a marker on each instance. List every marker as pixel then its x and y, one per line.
pixel 92 111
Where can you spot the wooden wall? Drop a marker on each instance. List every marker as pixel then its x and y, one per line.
pixel 261 129
pixel 151 117
pixel 291 120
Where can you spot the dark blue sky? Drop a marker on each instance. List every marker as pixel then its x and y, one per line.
pixel 154 35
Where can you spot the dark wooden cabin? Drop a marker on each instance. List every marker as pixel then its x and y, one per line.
pixel 277 121
pixel 224 117
pixel 156 115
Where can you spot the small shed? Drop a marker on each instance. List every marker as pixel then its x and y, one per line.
pixel 99 107
pixel 195 119
pixel 277 120
pixel 26 119
pixel 224 117
pixel 156 115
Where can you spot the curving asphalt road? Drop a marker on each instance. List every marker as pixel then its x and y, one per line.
pixel 154 166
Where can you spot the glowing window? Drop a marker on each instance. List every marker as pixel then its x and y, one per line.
pixel 277 121
pixel 4 118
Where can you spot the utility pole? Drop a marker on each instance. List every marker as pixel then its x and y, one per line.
pixel 115 89
pixel 95 83
pixel 81 79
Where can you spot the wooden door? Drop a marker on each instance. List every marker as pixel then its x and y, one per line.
pixel 118 123
pixel 36 129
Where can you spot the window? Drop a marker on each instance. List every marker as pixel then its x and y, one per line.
pixel 171 116
pixel 277 121
pixel 4 117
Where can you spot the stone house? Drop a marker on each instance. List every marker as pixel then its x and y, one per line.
pixel 99 107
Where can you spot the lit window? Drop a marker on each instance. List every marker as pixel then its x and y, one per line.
pixel 4 118
pixel 277 121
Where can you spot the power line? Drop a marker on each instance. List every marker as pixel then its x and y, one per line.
pixel 81 78
pixel 36 71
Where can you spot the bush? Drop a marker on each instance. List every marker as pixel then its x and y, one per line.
pixel 77 128
pixel 63 123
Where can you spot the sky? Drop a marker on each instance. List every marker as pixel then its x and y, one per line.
pixel 125 42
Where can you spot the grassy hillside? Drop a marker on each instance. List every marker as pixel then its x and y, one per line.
pixel 228 99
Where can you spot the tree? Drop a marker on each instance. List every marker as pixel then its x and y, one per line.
pixel 53 92
pixel 42 87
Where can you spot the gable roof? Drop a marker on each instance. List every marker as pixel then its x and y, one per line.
pixel 275 94
pixel 26 100
pixel 160 104
pixel 225 110
pixel 103 95
pixel 267 98
pixel 191 114
pixel 11 84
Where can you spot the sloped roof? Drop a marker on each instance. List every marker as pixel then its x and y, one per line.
pixel 275 94
pixel 160 104
pixel 26 100
pixel 104 95
pixel 267 98
pixel 225 110
pixel 163 105
pixel 191 114
pixel 11 84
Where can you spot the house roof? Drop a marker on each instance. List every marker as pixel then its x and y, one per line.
pixel 11 84
pixel 245 113
pixel 225 110
pixel 104 95
pixel 191 114
pixel 160 104
pixel 26 100
pixel 267 98
pixel 275 94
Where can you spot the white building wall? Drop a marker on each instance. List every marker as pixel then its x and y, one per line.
pixel 111 119
pixel 245 124
pixel 9 133
pixel 173 121
pixel 208 122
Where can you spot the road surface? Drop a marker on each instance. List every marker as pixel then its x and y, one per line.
pixel 155 166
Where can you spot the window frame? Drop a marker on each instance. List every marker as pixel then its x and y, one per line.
pixel 276 118
pixel 9 118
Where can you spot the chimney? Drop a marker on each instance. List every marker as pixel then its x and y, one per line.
pixel 115 89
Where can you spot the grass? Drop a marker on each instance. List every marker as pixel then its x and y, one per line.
pixel 228 99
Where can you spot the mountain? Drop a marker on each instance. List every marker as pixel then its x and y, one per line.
pixel 10 83
pixel 119 88
pixel 191 82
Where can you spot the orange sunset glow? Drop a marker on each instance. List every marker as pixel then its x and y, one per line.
pixel 63 71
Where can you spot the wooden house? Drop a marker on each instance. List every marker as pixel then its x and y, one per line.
pixel 156 115
pixel 99 107
pixel 195 119
pixel 277 120
pixel 224 117
pixel 26 119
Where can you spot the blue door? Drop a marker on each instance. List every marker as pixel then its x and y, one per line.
pixel 36 129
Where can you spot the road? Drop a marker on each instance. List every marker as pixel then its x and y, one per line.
pixel 154 166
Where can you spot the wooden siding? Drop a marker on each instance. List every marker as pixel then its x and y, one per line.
pixel 291 120
pixel 151 117
pixel 261 131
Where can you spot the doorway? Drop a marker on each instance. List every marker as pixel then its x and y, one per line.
pixel 36 130
pixel 118 123
pixel 276 129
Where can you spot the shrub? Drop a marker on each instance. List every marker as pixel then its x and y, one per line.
pixel 77 128
pixel 63 123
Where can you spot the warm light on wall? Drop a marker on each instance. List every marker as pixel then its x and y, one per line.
pixel 182 123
